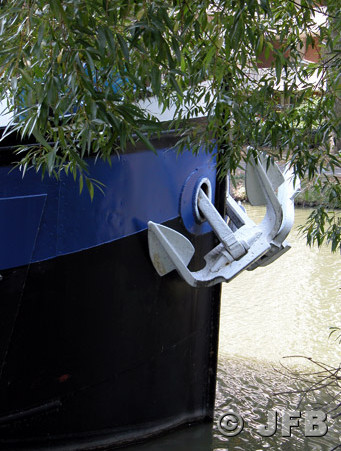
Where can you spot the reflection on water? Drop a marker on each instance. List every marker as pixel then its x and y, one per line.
pixel 284 309
pixel 254 390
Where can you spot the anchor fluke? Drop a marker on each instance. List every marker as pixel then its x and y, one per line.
pixel 166 244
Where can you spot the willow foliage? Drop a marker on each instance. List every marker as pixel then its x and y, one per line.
pixel 78 71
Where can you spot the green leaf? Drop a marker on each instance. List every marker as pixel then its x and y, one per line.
pixel 51 157
pixel 156 79
pixel 145 141
pixel 90 186
pixel 81 183
pixel 278 65
pixel 124 46
pixel 209 55
pixel 110 40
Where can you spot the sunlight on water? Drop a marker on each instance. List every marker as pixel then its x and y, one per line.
pixel 286 308
pixel 253 390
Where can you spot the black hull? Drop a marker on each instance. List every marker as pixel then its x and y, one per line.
pixel 96 349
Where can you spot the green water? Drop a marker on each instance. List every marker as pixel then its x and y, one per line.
pixel 285 308
pixel 282 310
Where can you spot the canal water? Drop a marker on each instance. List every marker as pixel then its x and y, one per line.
pixel 268 315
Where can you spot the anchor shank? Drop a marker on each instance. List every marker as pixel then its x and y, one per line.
pixel 221 229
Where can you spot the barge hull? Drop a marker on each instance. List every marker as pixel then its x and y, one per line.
pixel 96 349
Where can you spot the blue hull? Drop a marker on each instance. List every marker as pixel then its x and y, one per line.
pixel 95 348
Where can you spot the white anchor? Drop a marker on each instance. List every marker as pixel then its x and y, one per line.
pixel 249 246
